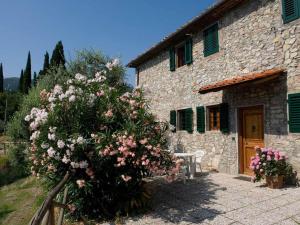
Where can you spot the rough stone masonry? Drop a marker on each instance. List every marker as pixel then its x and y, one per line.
pixel 252 37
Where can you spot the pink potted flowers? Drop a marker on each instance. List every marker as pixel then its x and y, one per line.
pixel 270 164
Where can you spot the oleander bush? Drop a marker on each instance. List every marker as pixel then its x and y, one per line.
pixel 106 139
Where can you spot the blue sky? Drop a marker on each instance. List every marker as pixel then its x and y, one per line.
pixel 119 28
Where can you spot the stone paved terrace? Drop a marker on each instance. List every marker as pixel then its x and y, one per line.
pixel 221 199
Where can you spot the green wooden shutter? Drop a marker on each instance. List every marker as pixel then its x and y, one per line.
pixel 188 51
pixel 172 59
pixel 294 112
pixel 290 10
pixel 224 118
pixel 173 118
pixel 188 117
pixel 200 119
pixel 211 40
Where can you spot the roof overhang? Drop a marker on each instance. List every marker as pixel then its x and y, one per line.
pixel 247 78
pixel 203 20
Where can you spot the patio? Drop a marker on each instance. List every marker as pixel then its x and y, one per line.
pixel 221 199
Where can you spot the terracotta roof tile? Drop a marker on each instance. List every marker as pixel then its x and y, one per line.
pixel 240 79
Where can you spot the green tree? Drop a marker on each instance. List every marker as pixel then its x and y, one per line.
pixel 34 79
pixel 27 75
pixel 58 56
pixel 46 65
pixel 21 82
pixel 1 79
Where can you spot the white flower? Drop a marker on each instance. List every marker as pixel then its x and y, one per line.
pixel 52 106
pixel 52 129
pixel 75 165
pixel 51 99
pixel 83 164
pixel 92 98
pixel 80 140
pixel 65 159
pixel 72 98
pixel 72 147
pixel 79 91
pixel 28 118
pixel 61 96
pixel 70 81
pixel 35 135
pixel 44 145
pixel 60 144
pixel 51 152
pixel 33 126
pixel 57 89
pixel 111 65
pixel 51 137
pixel 80 77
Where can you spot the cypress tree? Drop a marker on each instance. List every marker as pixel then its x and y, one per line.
pixel 46 64
pixel 58 56
pixel 27 75
pixel 34 79
pixel 21 82
pixel 1 79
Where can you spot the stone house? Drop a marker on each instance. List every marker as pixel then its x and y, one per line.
pixel 229 80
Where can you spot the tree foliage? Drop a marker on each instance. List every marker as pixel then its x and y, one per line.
pixel 27 75
pixel 58 56
pixel 21 82
pixel 1 79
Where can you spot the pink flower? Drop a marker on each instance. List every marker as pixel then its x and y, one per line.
pixel 72 208
pixel 126 178
pixel 143 141
pixel 100 93
pixel 80 183
pixel 109 113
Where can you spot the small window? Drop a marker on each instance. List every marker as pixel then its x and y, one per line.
pixel 211 40
pixel 294 112
pixel 214 117
pixel 290 10
pixel 180 56
pixel 181 119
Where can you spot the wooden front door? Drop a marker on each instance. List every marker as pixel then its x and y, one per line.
pixel 251 134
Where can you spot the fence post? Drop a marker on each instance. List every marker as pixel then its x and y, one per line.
pixel 62 210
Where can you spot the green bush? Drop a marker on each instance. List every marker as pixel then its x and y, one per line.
pixel 106 139
pixel 3 162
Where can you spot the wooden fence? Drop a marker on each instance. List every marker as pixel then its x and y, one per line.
pixel 5 145
pixel 46 213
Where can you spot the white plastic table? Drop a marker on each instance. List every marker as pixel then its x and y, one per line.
pixel 189 157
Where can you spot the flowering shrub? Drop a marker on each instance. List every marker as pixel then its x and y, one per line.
pixel 108 142
pixel 268 162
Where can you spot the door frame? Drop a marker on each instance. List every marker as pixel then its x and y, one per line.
pixel 241 131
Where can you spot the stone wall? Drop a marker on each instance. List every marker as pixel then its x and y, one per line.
pixel 252 38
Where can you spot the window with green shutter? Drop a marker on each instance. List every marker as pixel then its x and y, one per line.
pixel 294 112
pixel 290 10
pixel 189 120
pixel 185 120
pixel 200 119
pixel 188 51
pixel 173 119
pixel 224 118
pixel 172 59
pixel 211 40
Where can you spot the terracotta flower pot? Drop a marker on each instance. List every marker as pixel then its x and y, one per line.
pixel 275 182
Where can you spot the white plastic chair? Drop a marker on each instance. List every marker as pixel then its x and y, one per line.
pixel 198 159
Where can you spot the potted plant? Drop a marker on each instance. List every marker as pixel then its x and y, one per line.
pixel 269 164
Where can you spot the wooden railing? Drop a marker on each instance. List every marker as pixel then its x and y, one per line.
pixel 5 145
pixel 46 214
